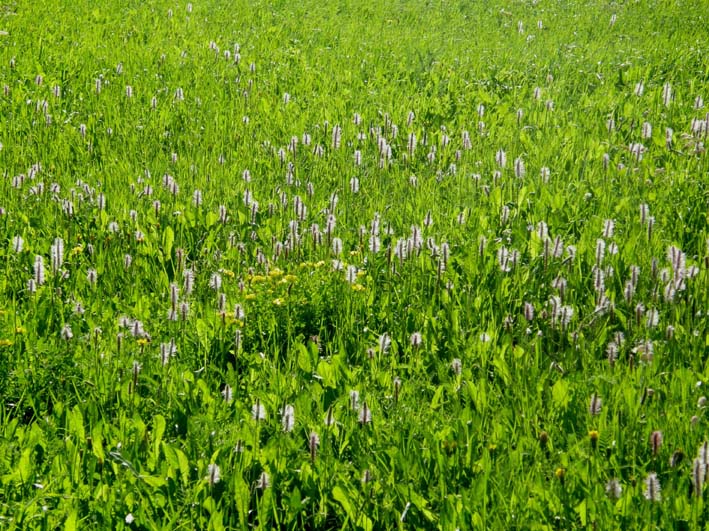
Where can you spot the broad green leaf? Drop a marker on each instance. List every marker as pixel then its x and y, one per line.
pixel 560 394
pixel 582 512
pixel 97 442
pixel 211 219
pixel 304 358
pixel 168 238
pixel 327 374
pixel 294 502
pixel 23 468
pixel 170 455
pixel 158 432
pixel 437 397
pixel 184 464
pixel 154 481
pixel 70 524
pixel 76 424
pixel 341 497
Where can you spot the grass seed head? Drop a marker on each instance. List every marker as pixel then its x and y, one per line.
pixel 595 405
pixel 656 442
pixel 213 474
pixel 652 488
pixel 614 489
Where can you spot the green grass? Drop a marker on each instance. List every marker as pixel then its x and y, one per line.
pixel 480 417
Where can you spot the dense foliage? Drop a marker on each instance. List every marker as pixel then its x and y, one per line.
pixel 354 264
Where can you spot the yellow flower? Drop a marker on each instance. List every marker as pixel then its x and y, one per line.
pixel 275 272
pixel 20 330
pixel 358 287
pixel 76 250
pixel 320 263
pixel 290 278
pixel 361 273
pixel 142 341
pixel 278 302
pixel 228 272
pixel 560 473
pixel 258 278
pixel 5 342
pixel 250 296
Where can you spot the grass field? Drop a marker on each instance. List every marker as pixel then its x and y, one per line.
pixel 354 265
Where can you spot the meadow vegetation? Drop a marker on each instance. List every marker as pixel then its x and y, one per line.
pixel 354 265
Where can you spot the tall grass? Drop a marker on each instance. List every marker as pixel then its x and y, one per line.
pixel 353 265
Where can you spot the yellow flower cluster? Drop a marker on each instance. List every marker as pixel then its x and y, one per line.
pixel 227 272
pixel 274 274
pixel 305 265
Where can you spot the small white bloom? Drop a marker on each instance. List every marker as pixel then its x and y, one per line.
pixel 213 474
pixel 288 418
pixel 258 412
